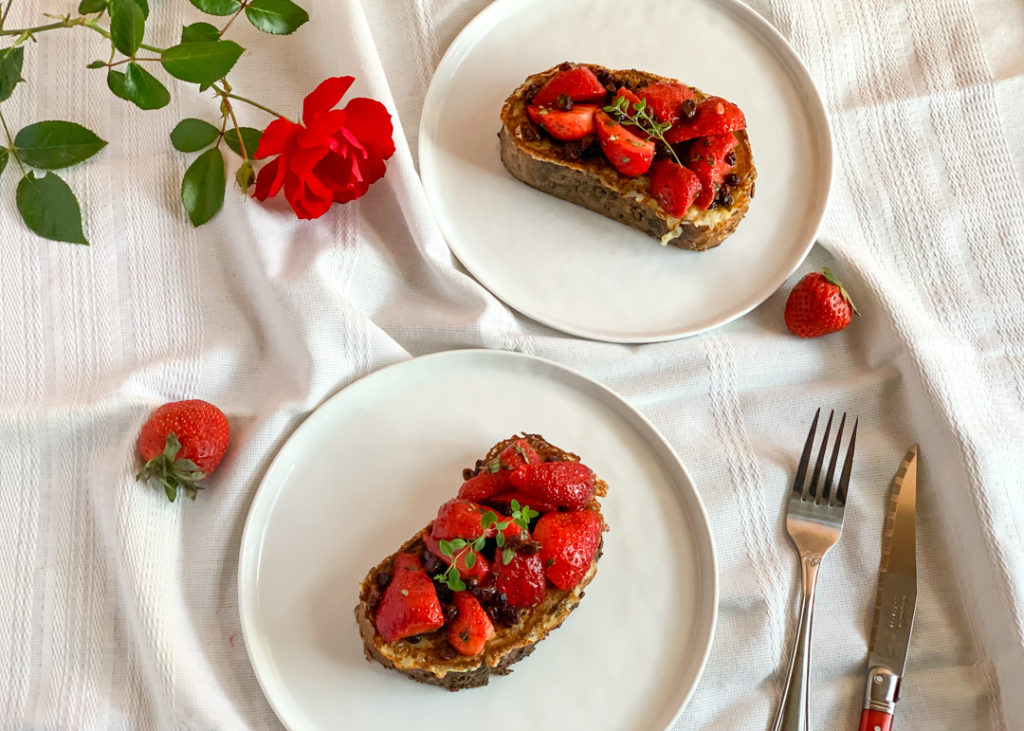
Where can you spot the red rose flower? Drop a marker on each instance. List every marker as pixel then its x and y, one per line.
pixel 332 157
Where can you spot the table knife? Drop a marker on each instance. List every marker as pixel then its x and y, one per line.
pixel 895 602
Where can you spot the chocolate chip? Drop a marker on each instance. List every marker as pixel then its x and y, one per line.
pixel 450 613
pixel 723 191
pixel 468 473
pixel 606 79
pixel 564 66
pixel 565 102
pixel 414 640
pixel 444 594
pixel 732 179
pixel 431 563
pixel 528 549
pixel 484 594
pixel 531 91
pixel 383 579
pixel 688 108
pixel 730 158
pixel 725 200
pixel 447 652
pixel 531 134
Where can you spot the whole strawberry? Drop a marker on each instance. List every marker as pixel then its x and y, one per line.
pixel 818 305
pixel 182 443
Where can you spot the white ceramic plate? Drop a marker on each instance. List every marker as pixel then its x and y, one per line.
pixel 576 270
pixel 370 467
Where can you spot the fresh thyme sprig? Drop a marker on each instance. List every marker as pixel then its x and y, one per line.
pixel 642 118
pixel 459 547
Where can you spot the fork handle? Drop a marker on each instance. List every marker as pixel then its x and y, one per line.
pixel 792 713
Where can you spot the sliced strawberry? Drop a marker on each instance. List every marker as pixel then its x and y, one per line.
pixel 707 159
pixel 409 605
pixel 485 484
pixel 628 153
pixel 504 501
pixel 521 580
pixel 578 83
pixel 471 628
pixel 458 518
pixel 673 186
pixel 665 99
pixel 517 454
pixel 714 116
pixel 567 484
pixel 566 125
pixel 568 543
pixel 480 568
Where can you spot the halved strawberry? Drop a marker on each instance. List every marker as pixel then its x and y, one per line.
pixel 521 580
pixel 567 484
pixel 517 454
pixel 484 485
pixel 480 567
pixel 566 125
pixel 706 158
pixel 568 544
pixel 631 99
pixel 578 83
pixel 714 116
pixel 673 186
pixel 471 628
pixel 409 605
pixel 628 153
pixel 665 99
pixel 459 518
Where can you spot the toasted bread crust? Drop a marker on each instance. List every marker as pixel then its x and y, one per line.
pixel 425 663
pixel 596 185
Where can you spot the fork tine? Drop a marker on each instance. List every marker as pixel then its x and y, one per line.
pixel 813 489
pixel 844 481
pixel 830 476
pixel 805 458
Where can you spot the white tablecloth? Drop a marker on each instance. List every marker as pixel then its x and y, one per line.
pixel 118 610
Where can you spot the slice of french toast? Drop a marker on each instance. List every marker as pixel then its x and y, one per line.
pixel 561 163
pixel 438 617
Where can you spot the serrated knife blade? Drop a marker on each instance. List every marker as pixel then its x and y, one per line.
pixel 895 601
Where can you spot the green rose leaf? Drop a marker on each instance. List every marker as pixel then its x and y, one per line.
pixel 144 7
pixel 3 159
pixel 192 135
pixel 127 24
pixel 96 64
pixel 202 62
pixel 116 83
pixel 244 176
pixel 202 189
pixel 199 32
pixel 279 17
pixel 217 7
pixel 143 89
pixel 87 7
pixel 250 136
pixel 53 145
pixel 10 70
pixel 50 209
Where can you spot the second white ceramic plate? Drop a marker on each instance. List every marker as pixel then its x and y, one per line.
pixel 371 466
pixel 571 268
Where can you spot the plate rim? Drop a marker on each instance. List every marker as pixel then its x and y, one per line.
pixel 248 567
pixel 813 104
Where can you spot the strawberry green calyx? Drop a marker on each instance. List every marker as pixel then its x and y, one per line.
pixel 832 279
pixel 173 473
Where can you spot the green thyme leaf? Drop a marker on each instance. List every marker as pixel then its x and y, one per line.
pixel 502 525
pixel 470 559
pixel 478 544
pixel 446 547
pixel 458 543
pixel 457 584
pixel 488 519
pixel 500 539
pixel 405 592
pixel 515 505
pixel 507 555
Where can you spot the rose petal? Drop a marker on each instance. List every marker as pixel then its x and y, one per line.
pixel 321 129
pixel 304 201
pixel 276 138
pixel 266 180
pixel 369 121
pixel 325 97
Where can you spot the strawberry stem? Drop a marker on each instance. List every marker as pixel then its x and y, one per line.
pixel 833 279
pixel 172 473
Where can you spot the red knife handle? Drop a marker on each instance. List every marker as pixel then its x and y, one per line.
pixel 872 720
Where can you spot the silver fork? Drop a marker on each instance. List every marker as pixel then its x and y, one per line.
pixel 814 521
